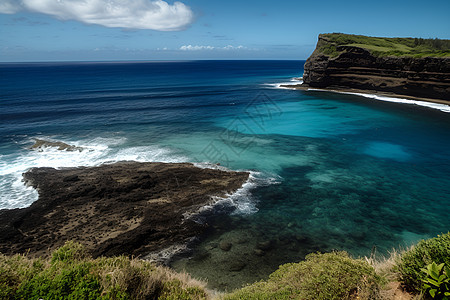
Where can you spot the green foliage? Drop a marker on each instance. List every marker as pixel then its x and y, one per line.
pixel 426 252
pixel 380 46
pixel 71 274
pixel 69 252
pixel 437 281
pixel 321 276
pixel 72 281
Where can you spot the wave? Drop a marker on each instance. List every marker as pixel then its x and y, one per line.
pixel 242 199
pixel 279 85
pixel 438 106
pixel 95 152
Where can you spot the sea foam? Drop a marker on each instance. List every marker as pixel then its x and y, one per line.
pixel 242 199
pixel 439 106
pixel 95 152
pixel 279 85
pixel 15 194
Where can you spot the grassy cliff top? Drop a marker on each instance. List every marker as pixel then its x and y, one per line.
pixel 381 46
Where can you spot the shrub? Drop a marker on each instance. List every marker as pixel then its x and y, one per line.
pixel 437 281
pixel 321 276
pixel 411 262
pixel 71 274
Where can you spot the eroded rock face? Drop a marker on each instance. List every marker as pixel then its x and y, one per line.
pixel 123 208
pixel 357 68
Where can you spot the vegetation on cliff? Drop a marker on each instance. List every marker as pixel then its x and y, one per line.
pixel 333 44
pixel 321 276
pixel 70 273
pixel 411 264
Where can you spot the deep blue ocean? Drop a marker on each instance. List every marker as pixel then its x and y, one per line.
pixel 329 171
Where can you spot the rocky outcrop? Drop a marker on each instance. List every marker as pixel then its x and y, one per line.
pixel 40 145
pixel 357 68
pixel 123 208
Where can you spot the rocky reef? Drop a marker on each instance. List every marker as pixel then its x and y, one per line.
pixel 354 65
pixel 40 145
pixel 122 208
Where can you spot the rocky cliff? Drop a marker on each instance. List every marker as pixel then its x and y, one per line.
pixel 354 66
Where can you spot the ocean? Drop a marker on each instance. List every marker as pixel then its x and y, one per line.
pixel 329 171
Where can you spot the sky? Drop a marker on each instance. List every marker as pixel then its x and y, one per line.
pixel 105 30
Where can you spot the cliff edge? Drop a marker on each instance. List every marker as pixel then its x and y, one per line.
pixel 404 66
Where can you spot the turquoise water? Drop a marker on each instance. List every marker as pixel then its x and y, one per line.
pixel 329 171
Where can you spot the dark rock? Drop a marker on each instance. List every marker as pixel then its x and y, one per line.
pixel 259 252
pixel 242 240
pixel 41 144
pixel 201 255
pixel 225 246
pixel 71 178
pixel 237 266
pixel 123 208
pixel 265 245
pixel 300 238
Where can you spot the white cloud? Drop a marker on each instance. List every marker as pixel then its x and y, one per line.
pixel 197 48
pixel 135 14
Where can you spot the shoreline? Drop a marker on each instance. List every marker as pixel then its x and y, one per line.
pixel 377 95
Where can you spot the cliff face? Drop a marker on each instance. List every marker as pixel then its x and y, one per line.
pixel 355 67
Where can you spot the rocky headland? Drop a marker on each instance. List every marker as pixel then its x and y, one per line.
pixel 127 208
pixel 406 67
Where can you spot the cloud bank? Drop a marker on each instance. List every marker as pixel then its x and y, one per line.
pixel 197 48
pixel 133 14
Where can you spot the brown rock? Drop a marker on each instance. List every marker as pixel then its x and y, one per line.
pixel 123 208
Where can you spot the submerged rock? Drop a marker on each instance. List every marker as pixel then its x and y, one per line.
pixel 237 266
pixel 265 245
pixel 123 208
pixel 259 252
pixel 225 246
pixel 41 144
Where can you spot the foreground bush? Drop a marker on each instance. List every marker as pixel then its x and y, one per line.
pixel 71 274
pixel 412 262
pixel 322 276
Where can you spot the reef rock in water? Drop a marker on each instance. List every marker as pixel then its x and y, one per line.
pixel 42 144
pixel 122 208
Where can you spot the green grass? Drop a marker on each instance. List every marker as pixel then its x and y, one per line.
pixel 381 46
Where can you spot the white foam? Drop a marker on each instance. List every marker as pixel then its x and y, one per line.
pixel 279 85
pixel 441 107
pixel 95 152
pixel 165 255
pixel 242 199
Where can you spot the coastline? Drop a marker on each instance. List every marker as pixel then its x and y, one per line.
pixel 444 105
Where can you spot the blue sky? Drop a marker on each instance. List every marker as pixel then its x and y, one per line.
pixel 98 30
